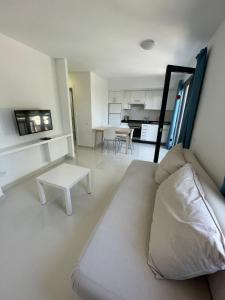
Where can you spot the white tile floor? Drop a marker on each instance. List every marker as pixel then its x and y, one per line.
pixel 39 245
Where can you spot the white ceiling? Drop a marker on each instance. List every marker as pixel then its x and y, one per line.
pixel 103 35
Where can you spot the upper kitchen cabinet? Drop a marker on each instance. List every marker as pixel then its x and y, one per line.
pixel 137 97
pixel 116 96
pixel 122 97
pixel 126 100
pixel 153 99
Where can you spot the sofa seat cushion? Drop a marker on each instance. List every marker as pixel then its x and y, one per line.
pixel 114 264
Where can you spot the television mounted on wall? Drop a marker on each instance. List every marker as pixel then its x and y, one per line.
pixel 33 121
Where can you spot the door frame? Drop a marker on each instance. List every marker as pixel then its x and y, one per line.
pixel 169 70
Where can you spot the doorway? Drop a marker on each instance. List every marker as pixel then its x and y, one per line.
pixel 73 119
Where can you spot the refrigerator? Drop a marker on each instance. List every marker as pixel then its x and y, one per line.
pixel 115 110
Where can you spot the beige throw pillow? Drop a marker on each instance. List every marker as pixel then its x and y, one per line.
pixel 186 240
pixel 173 160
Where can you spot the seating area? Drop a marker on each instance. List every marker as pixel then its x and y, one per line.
pixel 118 139
pixel 114 262
pixel 112 169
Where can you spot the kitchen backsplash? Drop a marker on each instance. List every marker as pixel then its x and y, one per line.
pixel 139 113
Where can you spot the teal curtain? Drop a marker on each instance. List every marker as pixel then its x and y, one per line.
pixel 193 100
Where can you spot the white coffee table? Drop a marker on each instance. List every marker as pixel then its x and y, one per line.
pixel 64 177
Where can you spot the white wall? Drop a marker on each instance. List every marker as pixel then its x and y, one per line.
pixel 27 81
pixel 64 100
pixel 91 104
pixel 99 100
pixel 81 84
pixel 208 140
pixel 146 82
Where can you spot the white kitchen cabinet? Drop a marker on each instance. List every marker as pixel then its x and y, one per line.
pixel 153 132
pixel 145 132
pixel 137 97
pixel 122 97
pixel 153 99
pixel 116 96
pixel 156 99
pixel 149 132
pixel 147 99
pixel 126 100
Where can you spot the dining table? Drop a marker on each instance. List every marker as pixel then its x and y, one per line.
pixel 119 131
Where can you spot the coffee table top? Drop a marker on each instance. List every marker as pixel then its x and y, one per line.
pixel 64 175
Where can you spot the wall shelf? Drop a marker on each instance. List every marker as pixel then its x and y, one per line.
pixel 31 144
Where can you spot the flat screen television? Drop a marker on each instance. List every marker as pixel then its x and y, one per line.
pixel 33 121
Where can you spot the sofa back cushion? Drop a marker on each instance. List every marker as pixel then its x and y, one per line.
pixel 173 160
pixel 217 202
pixel 184 232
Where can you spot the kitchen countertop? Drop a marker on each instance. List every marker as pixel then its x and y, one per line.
pixel 144 122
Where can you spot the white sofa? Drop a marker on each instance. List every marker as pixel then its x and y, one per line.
pixel 114 263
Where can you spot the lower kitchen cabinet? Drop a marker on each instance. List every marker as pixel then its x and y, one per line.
pixel 149 132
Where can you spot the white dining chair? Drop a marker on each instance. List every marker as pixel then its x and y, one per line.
pixel 110 139
pixel 122 138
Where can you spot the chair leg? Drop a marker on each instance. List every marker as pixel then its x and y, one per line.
pixel 131 148
pixel 116 145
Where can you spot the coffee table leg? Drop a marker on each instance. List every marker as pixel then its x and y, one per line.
pixel 68 202
pixel 41 193
pixel 89 182
pixel 127 140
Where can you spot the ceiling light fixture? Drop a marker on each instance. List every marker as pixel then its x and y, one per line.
pixel 147 44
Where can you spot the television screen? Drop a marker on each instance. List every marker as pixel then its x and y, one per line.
pixel 33 121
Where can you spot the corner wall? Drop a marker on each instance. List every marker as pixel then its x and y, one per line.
pixel 27 81
pixel 208 140
pixel 91 104
pixel 81 84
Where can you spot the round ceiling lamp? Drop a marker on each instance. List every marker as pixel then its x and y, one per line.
pixel 147 44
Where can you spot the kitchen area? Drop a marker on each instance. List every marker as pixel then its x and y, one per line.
pixel 140 109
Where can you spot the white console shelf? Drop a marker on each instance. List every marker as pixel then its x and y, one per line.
pixel 45 152
pixel 31 144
